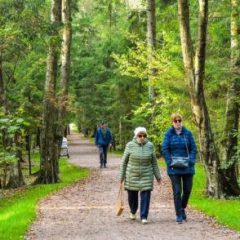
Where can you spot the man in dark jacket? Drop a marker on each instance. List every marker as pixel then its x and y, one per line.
pixel 103 139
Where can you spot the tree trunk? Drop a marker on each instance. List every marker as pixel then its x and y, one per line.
pixel 151 40
pixel 195 77
pixel 38 137
pixel 65 57
pixel 110 10
pixel 13 176
pixel 67 131
pixel 2 87
pixel 230 142
pixel 49 140
pixel 28 148
pixel 120 133
pixel 19 169
pixel 151 23
pixel 16 176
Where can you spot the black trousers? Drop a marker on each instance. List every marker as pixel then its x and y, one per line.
pixel 103 154
pixel 182 187
pixel 144 204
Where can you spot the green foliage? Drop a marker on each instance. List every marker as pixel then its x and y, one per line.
pixel 18 212
pixel 6 158
pixel 13 125
pixel 93 72
pixel 23 52
pixel 112 69
pixel 156 116
pixel 166 79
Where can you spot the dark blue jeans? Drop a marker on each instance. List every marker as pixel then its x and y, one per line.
pixel 144 205
pixel 182 187
pixel 103 154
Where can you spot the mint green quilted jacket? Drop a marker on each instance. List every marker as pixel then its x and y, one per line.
pixel 139 166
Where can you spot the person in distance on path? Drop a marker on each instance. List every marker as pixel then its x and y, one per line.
pixel 103 139
pixel 138 168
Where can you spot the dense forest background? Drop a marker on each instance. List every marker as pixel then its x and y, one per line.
pixel 123 62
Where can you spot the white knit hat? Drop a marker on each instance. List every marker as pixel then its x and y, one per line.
pixel 139 130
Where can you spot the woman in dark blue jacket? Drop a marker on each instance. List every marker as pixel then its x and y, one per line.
pixel 178 142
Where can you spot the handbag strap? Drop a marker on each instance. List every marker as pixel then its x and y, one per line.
pixel 186 145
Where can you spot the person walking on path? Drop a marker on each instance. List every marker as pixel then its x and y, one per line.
pixel 103 139
pixel 178 142
pixel 138 168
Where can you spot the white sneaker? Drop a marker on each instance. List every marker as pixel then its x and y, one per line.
pixel 144 221
pixel 132 216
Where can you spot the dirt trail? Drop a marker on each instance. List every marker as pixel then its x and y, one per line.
pixel 85 211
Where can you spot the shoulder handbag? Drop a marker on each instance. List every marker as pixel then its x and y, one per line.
pixel 120 203
pixel 180 162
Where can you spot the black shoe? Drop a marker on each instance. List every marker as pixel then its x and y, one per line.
pixel 105 165
pixel 179 219
pixel 184 216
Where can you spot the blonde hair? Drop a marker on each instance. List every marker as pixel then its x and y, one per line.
pixel 176 115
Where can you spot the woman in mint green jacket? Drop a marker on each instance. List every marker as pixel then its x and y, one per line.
pixel 139 166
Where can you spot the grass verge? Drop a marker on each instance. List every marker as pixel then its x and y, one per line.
pixel 224 211
pixel 19 211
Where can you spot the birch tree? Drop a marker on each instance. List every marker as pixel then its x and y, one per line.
pixel 151 41
pixel 49 140
pixel 65 58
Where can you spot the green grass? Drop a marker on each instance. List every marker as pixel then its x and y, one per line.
pixel 19 211
pixel 226 212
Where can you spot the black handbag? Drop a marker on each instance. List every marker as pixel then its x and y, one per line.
pixel 180 162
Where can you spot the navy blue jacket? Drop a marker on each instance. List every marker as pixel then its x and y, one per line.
pixel 175 145
pixel 101 139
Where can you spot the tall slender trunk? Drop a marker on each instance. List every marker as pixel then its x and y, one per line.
pixel 120 133
pixel 65 58
pixel 151 40
pixel 195 77
pixel 28 148
pixel 110 12
pixel 109 50
pixel 151 23
pixel 2 86
pixel 230 142
pixel 49 140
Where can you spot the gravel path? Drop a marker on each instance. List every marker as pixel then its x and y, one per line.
pixel 85 211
